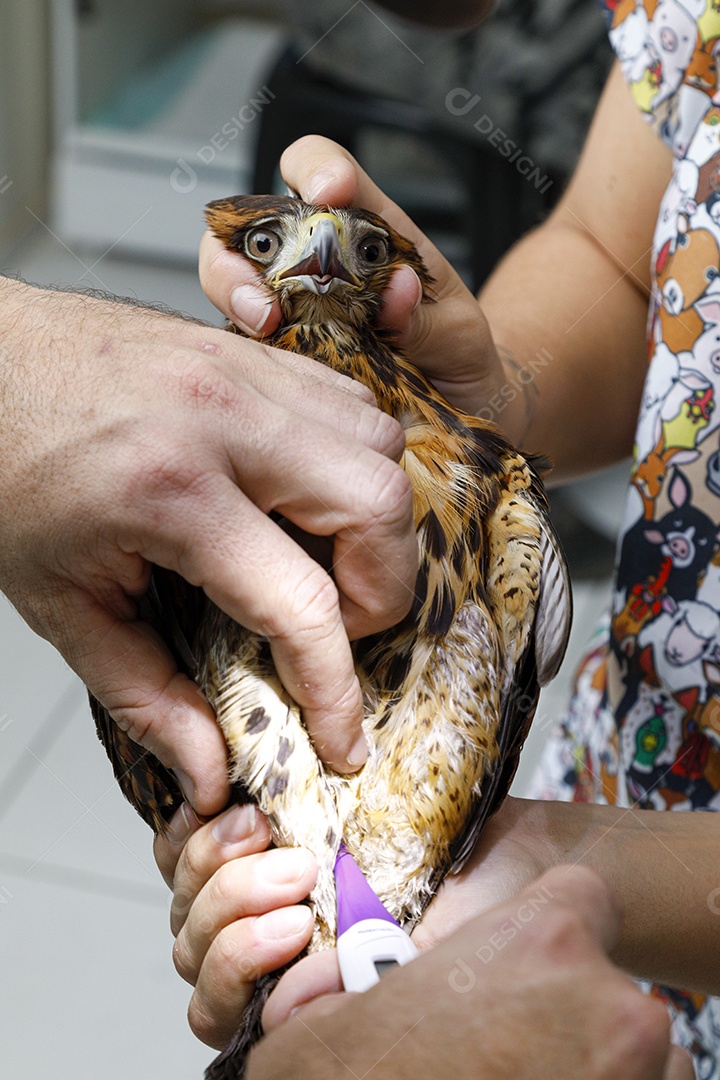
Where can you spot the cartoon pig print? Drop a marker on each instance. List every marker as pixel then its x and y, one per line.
pixel 672 36
pixel 686 536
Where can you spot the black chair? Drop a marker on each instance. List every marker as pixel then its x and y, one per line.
pixel 500 203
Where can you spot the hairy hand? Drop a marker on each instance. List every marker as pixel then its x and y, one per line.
pixel 544 1001
pixel 538 950
pixel 130 438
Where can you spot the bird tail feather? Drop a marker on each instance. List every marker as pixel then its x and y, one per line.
pixel 230 1064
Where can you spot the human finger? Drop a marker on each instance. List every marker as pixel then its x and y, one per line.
pixel 583 891
pixel 168 846
pixel 257 390
pixel 324 172
pixel 250 886
pixel 219 368
pixel 239 832
pixel 255 573
pixel 235 288
pixel 294 387
pixel 238 956
pixel 251 569
pixel 127 667
pixel 188 862
pixel 329 486
pixel 314 976
pixel 679 1065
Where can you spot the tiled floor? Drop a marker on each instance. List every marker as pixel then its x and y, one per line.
pixel 89 988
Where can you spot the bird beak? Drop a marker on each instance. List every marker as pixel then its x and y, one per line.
pixel 321 261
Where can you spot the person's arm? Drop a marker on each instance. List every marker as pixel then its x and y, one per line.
pixel 228 890
pixel 663 867
pixel 131 437
pixel 534 960
pixel 570 300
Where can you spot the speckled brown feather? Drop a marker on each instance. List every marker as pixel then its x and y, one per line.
pixel 450 691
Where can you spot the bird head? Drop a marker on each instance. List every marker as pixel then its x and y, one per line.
pixel 325 264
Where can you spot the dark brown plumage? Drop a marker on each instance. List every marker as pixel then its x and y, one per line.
pixel 451 690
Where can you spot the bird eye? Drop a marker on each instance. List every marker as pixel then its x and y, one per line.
pixel 373 250
pixel 262 244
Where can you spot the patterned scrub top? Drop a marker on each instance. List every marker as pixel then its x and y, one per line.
pixel 643 727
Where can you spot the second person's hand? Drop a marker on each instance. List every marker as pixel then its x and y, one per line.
pixel 449 340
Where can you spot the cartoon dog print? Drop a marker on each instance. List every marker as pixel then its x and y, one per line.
pixel 683 272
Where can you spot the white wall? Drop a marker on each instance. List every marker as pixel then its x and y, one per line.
pixel 24 124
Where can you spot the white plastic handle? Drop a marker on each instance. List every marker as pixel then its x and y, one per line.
pixel 369 949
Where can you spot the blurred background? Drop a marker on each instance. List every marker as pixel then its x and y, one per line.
pixel 120 119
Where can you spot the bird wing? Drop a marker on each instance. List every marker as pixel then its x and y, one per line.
pixel 144 781
pixel 433 743
pixel 529 590
pixel 173 609
pixel 553 619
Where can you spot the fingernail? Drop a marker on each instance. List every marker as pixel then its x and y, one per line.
pixel 235 825
pixel 251 306
pixel 418 301
pixel 285 865
pixel 358 754
pixel 317 185
pixel 285 922
pixel 186 785
pixel 182 823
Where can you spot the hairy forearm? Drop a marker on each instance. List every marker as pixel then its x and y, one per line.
pixel 573 322
pixel 663 867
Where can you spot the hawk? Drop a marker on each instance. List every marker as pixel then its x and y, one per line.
pixel 450 691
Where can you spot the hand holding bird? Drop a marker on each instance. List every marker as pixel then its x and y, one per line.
pixel 449 690
pixel 469 375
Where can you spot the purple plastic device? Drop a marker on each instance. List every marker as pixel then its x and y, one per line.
pixel 355 899
pixel 369 941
